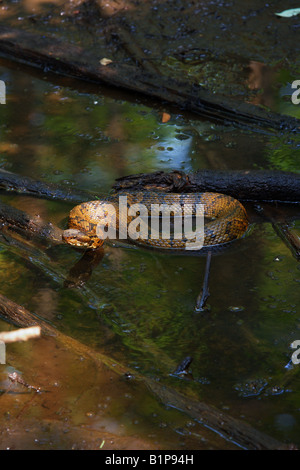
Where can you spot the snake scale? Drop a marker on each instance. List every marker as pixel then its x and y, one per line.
pixel 225 219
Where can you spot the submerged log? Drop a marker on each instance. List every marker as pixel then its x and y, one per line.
pixel 245 185
pixel 55 55
pixel 239 433
pixel 26 185
pixel 32 227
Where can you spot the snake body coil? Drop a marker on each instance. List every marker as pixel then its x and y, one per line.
pixel 225 218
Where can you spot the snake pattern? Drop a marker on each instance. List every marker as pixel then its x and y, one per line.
pixel 225 218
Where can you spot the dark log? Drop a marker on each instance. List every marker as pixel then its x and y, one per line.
pixel 26 185
pixel 54 55
pixel 245 185
pixel 32 227
pixel 19 316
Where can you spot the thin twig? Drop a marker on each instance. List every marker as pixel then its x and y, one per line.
pixel 204 294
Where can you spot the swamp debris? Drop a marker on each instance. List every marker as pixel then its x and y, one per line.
pixel 15 377
pixel 237 432
pixel 67 59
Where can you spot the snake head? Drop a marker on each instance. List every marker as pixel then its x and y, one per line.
pixel 79 239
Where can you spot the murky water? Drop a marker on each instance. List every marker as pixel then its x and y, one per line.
pixel 138 307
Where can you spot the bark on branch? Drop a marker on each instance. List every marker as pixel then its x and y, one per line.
pixel 26 185
pixel 33 227
pixel 245 185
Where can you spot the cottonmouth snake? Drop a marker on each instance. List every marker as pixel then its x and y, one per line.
pixel 225 218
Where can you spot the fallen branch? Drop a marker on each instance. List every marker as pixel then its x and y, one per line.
pixel 52 54
pixel 26 185
pixel 32 227
pixel 245 185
